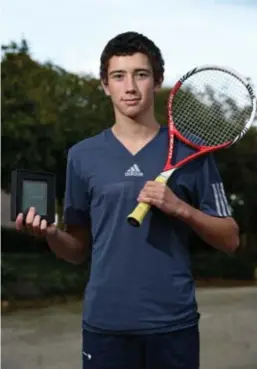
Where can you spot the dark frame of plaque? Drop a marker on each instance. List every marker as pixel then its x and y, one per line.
pixel 19 177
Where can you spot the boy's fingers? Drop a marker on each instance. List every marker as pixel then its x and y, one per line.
pixel 43 225
pixel 19 221
pixel 30 217
pixel 36 221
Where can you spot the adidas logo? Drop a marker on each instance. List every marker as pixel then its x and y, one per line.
pixel 134 171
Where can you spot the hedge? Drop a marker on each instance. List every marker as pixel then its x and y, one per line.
pixel 30 269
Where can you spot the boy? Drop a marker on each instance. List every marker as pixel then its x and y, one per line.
pixel 139 309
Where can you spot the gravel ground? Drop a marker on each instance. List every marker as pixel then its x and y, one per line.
pixel 50 338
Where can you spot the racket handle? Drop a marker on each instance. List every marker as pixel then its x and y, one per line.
pixel 138 214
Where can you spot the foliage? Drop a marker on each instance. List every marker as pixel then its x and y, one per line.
pixel 46 276
pixel 45 111
pixel 40 274
pixel 217 265
pixel 21 242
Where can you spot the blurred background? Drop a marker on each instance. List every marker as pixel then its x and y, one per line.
pixel 51 99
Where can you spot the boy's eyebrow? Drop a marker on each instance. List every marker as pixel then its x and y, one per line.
pixel 116 71
pixel 123 71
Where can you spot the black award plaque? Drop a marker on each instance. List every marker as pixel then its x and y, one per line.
pixel 33 189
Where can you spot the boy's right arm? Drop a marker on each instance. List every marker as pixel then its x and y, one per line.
pixel 70 245
pixel 73 243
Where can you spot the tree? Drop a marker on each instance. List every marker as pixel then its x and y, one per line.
pixel 45 111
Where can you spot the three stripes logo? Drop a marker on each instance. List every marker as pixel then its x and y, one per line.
pixel 222 206
pixel 134 171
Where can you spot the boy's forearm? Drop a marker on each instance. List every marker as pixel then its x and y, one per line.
pixel 221 233
pixel 67 247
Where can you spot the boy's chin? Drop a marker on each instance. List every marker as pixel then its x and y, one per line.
pixel 133 113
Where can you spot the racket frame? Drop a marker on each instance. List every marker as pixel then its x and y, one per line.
pixel 138 214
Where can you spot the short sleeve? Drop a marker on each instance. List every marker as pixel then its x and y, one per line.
pixel 76 200
pixel 211 196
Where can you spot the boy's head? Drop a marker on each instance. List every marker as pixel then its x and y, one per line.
pixel 130 43
pixel 131 70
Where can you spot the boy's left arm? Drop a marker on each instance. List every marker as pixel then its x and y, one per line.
pixel 211 219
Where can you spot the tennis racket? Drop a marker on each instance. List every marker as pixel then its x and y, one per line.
pixel 209 108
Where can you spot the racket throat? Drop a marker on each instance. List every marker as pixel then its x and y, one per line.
pixel 165 175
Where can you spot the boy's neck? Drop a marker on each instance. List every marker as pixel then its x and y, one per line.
pixel 142 128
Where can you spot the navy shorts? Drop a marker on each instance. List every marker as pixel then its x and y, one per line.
pixel 174 350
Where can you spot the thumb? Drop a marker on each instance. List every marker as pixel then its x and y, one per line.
pixel 51 230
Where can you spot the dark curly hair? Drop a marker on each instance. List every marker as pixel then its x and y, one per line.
pixel 129 43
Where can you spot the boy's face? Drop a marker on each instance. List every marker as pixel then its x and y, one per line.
pixel 130 84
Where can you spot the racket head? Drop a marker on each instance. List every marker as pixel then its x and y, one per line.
pixel 211 107
pixel 206 125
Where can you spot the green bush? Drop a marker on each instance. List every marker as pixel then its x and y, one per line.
pixel 21 242
pixel 218 265
pixel 30 270
pixel 40 275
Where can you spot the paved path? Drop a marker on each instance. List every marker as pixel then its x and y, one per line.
pixel 228 328
pixel 50 338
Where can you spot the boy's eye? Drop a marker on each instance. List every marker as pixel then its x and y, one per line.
pixel 118 76
pixel 142 74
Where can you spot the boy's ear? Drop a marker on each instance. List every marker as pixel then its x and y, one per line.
pixel 105 87
pixel 158 85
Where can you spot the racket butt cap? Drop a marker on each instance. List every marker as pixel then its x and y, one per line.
pixel 133 222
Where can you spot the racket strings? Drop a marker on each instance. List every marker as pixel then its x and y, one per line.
pixel 211 108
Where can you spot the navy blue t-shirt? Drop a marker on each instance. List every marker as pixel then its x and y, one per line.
pixel 140 279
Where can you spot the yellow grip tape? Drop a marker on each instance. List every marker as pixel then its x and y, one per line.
pixel 138 214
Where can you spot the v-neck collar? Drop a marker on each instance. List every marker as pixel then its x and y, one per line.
pixel 119 145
